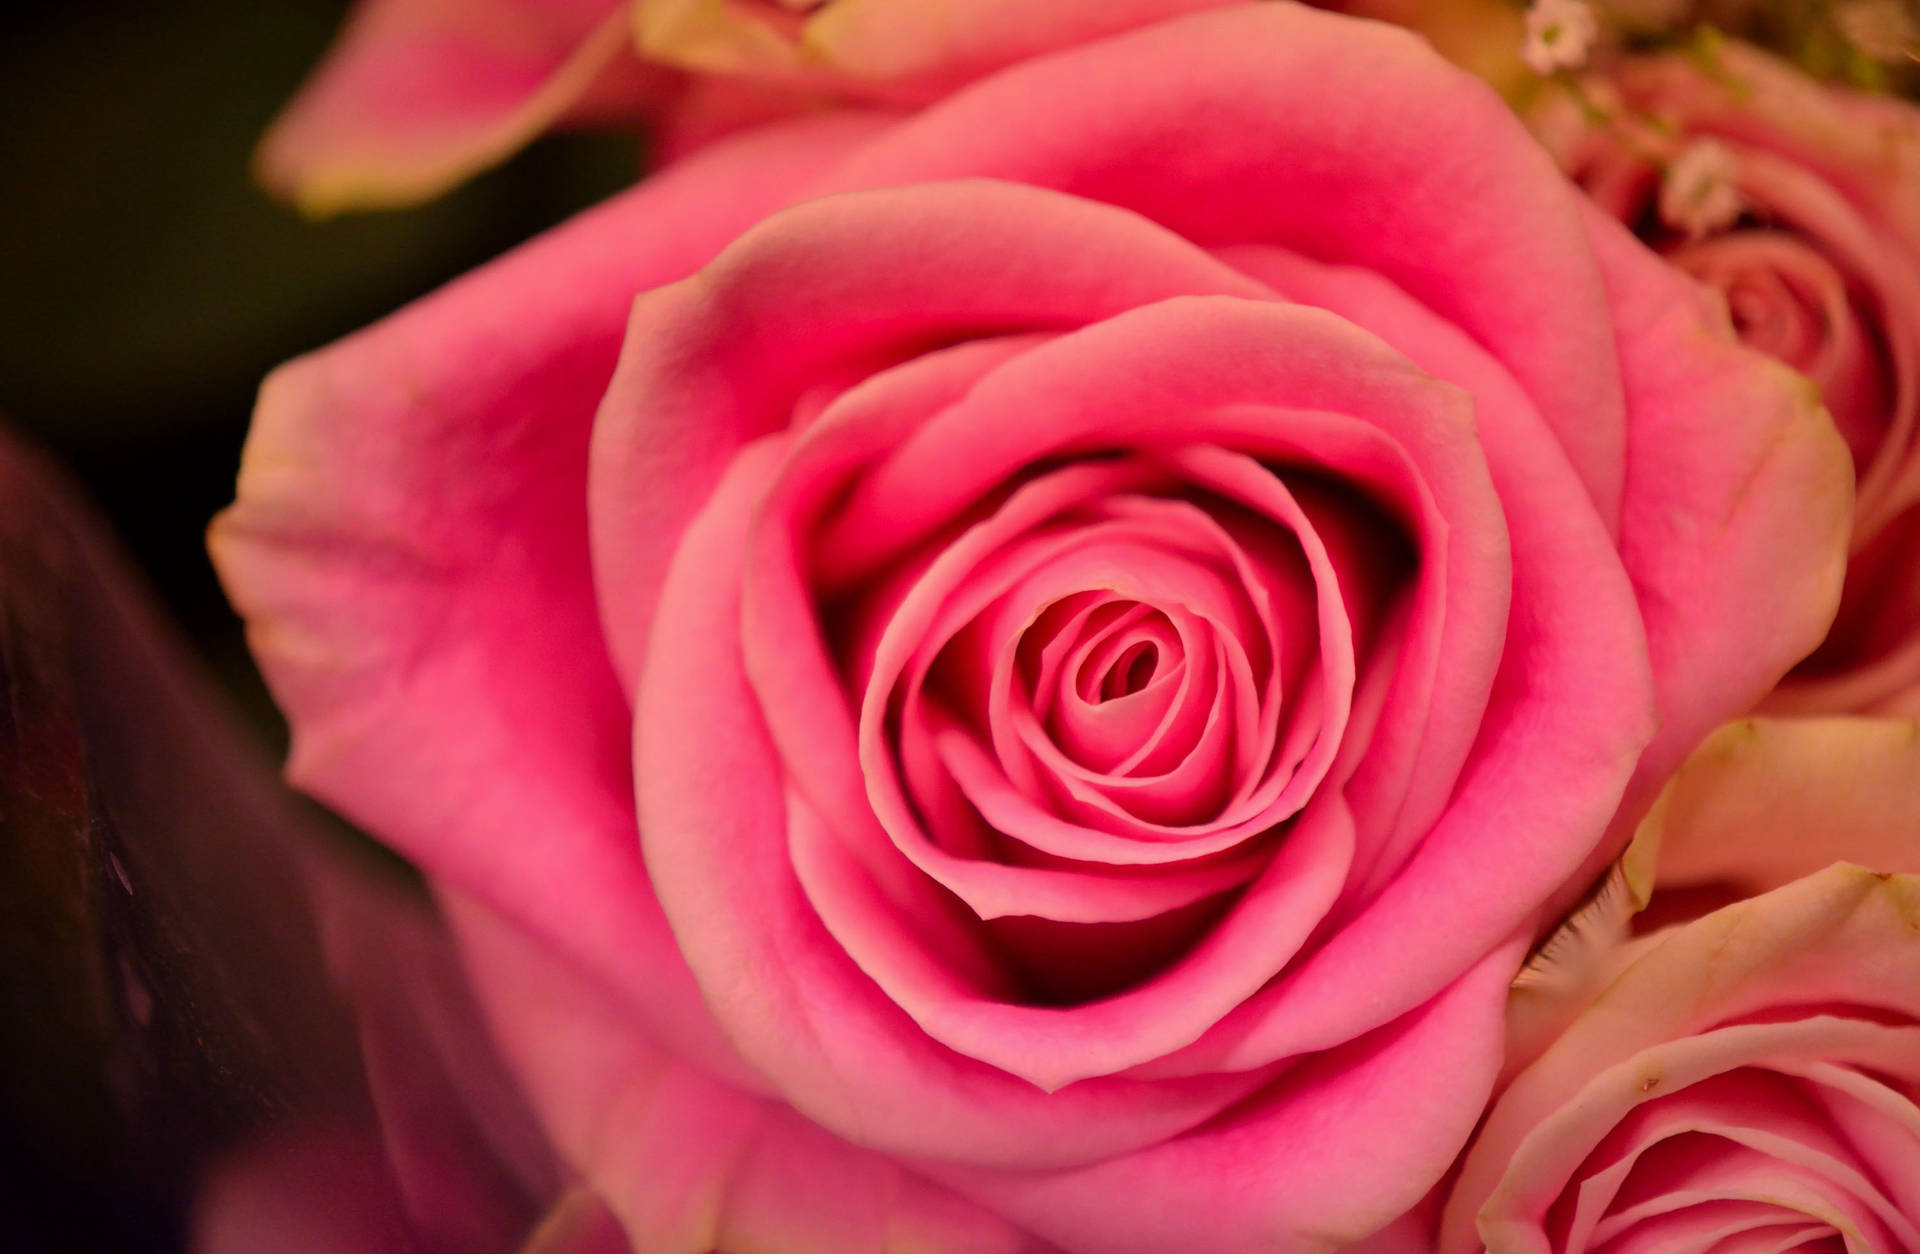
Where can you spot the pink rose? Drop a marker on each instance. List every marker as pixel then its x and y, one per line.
pixel 416 95
pixel 1800 205
pixel 1749 1080
pixel 1116 614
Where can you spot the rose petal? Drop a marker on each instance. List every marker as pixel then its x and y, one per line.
pixel 1766 801
pixel 720 861
pixel 450 504
pixel 418 94
pixel 1841 937
pixel 934 45
pixel 1222 135
pixel 1735 584
pixel 689 1163
pixel 1279 1173
pixel 885 49
pixel 736 347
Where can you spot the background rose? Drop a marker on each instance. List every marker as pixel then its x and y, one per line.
pixel 1749 1077
pixel 1817 253
pixel 418 94
pixel 1410 635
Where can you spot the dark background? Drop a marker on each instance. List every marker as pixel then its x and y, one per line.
pixel 151 936
pixel 146 285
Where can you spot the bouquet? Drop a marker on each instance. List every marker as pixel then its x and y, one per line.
pixel 1120 628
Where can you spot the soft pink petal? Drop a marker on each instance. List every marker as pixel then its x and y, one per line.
pixel 1766 801
pixel 418 94
pixel 689 1164
pixel 898 50
pixel 1630 1176
pixel 1332 1151
pixel 410 552
pixel 1739 500
pixel 1842 937
pixel 1431 714
pixel 930 46
pixel 1222 133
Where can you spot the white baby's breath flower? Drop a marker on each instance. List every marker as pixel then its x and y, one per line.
pixel 1559 33
pixel 1700 192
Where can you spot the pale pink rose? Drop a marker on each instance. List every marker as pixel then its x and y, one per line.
pixel 1117 615
pixel 1807 223
pixel 416 95
pixel 1747 1080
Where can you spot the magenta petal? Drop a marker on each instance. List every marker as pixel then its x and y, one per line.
pixel 1240 96
pixel 770 971
pixel 735 348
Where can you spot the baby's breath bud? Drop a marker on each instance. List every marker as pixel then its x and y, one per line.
pixel 1559 34
pixel 1701 193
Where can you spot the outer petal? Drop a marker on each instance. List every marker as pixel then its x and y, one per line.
pixel 418 94
pixel 1739 503
pixel 409 548
pixel 1228 132
pixel 905 50
pixel 1739 498
pixel 1766 801
pixel 1279 1173
pixel 687 1163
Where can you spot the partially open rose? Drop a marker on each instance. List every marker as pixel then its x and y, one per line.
pixel 1748 1080
pixel 1115 613
pixel 1800 205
